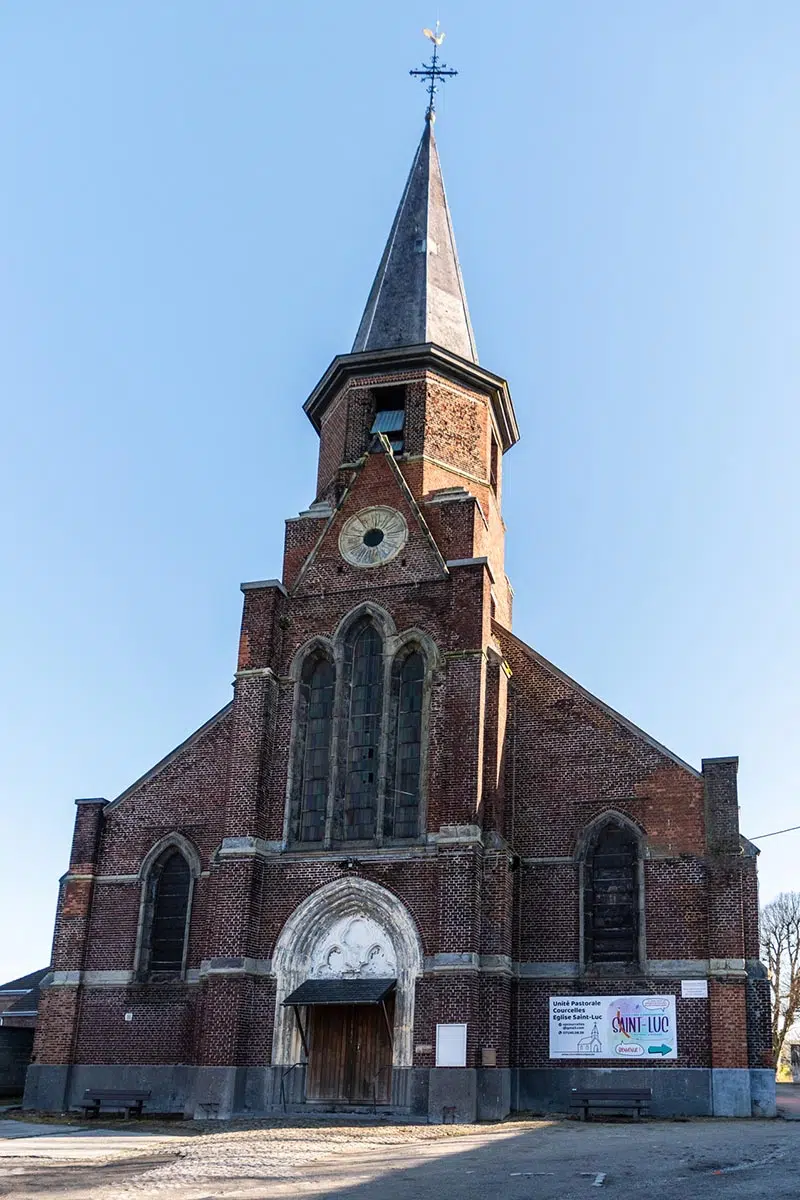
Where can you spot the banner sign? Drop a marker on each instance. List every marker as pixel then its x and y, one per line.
pixel 617 1027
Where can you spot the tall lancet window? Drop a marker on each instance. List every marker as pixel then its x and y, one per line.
pixel 364 674
pixel 169 888
pixel 401 819
pixel 611 897
pixel 315 722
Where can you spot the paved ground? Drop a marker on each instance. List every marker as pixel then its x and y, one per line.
pixel 536 1160
pixel 789 1101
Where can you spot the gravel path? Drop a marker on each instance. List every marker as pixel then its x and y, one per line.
pixel 702 1159
pixel 275 1153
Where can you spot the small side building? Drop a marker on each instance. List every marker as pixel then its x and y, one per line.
pixel 19 1010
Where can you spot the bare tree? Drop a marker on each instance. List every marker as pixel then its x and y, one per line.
pixel 780 942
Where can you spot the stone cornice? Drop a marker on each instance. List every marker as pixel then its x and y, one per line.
pixel 449 837
pixel 445 963
pixel 460 835
pixel 258 585
pixel 427 355
pixel 235 966
pixel 655 968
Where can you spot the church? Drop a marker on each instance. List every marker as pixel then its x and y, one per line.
pixel 412 867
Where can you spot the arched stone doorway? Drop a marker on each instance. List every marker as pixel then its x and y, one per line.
pixel 354 951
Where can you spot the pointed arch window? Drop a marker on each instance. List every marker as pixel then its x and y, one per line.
pixel 359 735
pixel 402 811
pixel 315 724
pixel 612 897
pixel 166 915
pixel 357 818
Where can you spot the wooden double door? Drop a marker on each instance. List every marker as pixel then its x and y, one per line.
pixel 350 1053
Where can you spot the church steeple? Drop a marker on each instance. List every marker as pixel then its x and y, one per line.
pixel 413 373
pixel 418 294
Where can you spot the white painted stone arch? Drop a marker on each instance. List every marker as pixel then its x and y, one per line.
pixel 380 616
pixel 172 841
pixel 348 929
pixel 316 645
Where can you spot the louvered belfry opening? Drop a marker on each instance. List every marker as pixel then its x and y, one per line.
pixel 611 898
pixel 364 664
pixel 402 805
pixel 170 883
pixel 315 726
pixel 390 415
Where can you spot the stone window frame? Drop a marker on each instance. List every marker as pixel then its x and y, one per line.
pixel 316 650
pixel 166 845
pixel 585 846
pixel 343 718
pixel 404 652
pixel 395 647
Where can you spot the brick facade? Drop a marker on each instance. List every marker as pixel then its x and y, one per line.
pixel 520 766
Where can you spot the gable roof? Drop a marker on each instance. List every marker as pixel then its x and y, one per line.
pixel 25 983
pixel 552 669
pixel 173 754
pixel 380 458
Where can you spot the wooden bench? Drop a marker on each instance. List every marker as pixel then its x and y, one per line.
pixel 129 1102
pixel 635 1100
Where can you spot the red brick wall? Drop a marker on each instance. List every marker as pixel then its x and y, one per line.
pixel 547 921
pixel 53 1042
pixel 729 1023
pixel 574 760
pixel 447 444
pixel 532 759
pixel 188 796
pixel 676 908
pixel 162 1029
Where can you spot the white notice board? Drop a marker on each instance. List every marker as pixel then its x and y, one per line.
pixel 694 989
pixel 617 1027
pixel 451 1045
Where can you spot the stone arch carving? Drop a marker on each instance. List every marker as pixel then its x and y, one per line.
pixel 348 929
pixel 355 948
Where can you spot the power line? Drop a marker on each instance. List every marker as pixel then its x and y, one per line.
pixel 791 829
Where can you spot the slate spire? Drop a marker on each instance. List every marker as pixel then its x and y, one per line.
pixel 418 294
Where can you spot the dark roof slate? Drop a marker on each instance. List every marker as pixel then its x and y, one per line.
pixel 341 991
pixel 25 982
pixel 418 294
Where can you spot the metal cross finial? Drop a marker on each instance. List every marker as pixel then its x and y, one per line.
pixel 433 72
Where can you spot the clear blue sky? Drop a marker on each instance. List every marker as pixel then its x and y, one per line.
pixel 194 199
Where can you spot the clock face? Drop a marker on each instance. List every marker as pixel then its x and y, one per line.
pixel 373 536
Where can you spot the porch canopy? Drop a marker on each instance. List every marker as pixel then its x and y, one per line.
pixel 340 991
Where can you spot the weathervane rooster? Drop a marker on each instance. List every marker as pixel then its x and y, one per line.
pixel 434 72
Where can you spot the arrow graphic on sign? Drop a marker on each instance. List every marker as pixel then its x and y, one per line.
pixel 659 1049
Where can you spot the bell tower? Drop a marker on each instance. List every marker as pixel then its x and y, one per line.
pixel 412 385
